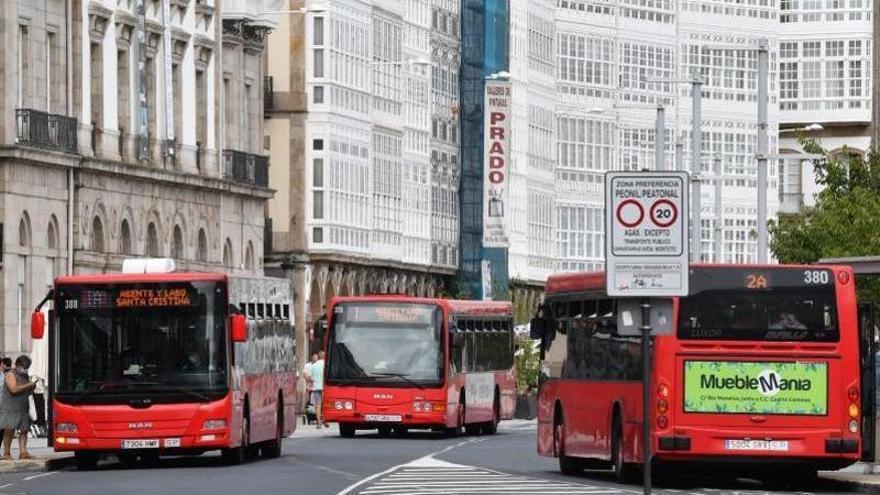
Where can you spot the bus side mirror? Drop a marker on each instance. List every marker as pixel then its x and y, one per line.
pixel 537 328
pixel 38 325
pixel 238 327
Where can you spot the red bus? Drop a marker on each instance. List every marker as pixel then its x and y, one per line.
pixel 395 363
pixel 760 371
pixel 149 364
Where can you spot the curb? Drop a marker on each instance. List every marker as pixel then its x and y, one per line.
pixel 853 481
pixel 36 466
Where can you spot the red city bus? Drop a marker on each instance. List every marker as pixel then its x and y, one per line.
pixel 760 371
pixel 396 363
pixel 149 364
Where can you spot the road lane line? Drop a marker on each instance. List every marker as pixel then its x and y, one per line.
pixel 50 473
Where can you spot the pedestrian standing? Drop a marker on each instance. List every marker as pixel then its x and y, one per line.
pixel 5 367
pixel 307 375
pixel 318 389
pixel 14 405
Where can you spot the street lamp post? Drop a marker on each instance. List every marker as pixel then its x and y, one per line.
pixel 696 83
pixel 659 130
pixel 763 145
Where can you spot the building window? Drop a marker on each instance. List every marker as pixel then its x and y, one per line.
pixel 249 257
pixel 317 144
pixel 318 62
pixel 318 32
pixel 318 205
pixel 318 94
pixel 177 243
pixel 318 172
pixel 228 262
pixel 318 235
pixel 97 241
pixel 203 246
pixel 24 66
pixel 125 238
pixel 152 241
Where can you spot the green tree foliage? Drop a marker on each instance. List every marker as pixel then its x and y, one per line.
pixel 844 222
pixel 528 364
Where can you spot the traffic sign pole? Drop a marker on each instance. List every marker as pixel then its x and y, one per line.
pixel 646 394
pixel 646 255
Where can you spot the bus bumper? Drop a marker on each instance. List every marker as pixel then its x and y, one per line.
pixel 368 420
pixel 828 448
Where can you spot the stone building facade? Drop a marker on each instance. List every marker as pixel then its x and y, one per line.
pixel 108 151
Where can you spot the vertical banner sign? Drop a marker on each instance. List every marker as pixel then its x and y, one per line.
pixel 646 241
pixel 496 159
pixel 486 266
pixel 143 129
pixel 169 82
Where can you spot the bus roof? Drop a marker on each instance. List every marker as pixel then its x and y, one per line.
pixel 131 278
pixel 591 281
pixel 456 306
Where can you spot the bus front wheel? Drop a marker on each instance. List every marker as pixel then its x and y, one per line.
pixel 346 430
pixel 238 455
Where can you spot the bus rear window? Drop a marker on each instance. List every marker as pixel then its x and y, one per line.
pixel 806 314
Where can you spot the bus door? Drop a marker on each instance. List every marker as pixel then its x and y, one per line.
pixel 867 358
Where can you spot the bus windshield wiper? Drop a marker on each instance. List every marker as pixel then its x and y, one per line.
pixel 402 376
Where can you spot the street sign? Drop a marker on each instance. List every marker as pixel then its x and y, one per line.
pixel 646 240
pixel 629 317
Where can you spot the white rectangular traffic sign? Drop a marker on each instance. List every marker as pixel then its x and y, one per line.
pixel 646 233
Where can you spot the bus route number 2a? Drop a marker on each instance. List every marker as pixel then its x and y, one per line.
pixel 756 281
pixel 816 277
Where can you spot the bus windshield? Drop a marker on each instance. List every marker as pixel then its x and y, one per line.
pixel 160 341
pixel 387 343
pixel 774 305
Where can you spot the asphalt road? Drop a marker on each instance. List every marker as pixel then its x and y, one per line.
pixel 368 465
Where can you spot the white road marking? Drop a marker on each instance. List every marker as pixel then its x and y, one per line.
pixel 42 475
pixel 432 476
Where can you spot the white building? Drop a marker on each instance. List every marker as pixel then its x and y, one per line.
pixel 607 55
pixel 825 84
pixel 365 119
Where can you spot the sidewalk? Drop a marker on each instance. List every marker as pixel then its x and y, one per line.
pixel 46 458
pixel 863 476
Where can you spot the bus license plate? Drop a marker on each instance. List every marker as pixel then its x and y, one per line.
pixel 765 445
pixel 382 418
pixel 140 444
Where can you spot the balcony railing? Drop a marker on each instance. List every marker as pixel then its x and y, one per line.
pixel 246 168
pixel 46 130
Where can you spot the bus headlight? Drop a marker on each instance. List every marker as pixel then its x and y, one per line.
pixel 348 405
pixel 214 424
pixel 338 405
pixel 853 426
pixel 66 427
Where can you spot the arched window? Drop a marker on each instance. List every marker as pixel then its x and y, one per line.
pixel 152 241
pixel 249 257
pixel 97 242
pixel 203 246
pixel 125 238
pixel 228 262
pixel 52 235
pixel 177 243
pixel 24 231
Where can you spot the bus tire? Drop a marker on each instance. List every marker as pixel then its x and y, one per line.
pixel 624 472
pixel 568 466
pixel 491 427
pixel 272 448
pixel 237 456
pixel 85 461
pixel 346 430
pixel 455 431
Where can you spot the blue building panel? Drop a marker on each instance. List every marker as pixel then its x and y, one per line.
pixel 485 35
